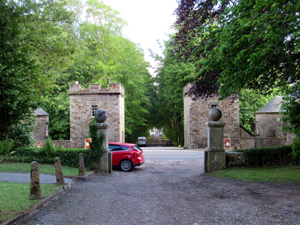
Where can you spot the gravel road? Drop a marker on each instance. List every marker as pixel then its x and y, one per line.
pixel 170 193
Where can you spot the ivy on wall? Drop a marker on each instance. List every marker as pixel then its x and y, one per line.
pixel 96 145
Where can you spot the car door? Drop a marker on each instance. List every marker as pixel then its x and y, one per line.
pixel 115 154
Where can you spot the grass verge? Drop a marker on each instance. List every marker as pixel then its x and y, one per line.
pixel 43 168
pixel 288 174
pixel 15 198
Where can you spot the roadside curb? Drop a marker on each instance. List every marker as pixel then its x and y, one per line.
pixel 47 199
pixel 80 177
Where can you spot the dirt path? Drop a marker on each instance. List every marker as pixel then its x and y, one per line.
pixel 171 193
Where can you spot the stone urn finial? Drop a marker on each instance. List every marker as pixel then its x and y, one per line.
pixel 215 114
pixel 100 116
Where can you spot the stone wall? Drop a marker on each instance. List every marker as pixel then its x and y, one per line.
pixel 289 138
pixel 268 125
pixel 57 143
pixel 246 138
pixel 196 116
pixel 247 143
pixel 270 142
pixel 40 132
pixel 81 101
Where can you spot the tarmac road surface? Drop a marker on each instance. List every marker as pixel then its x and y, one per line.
pixel 25 178
pixel 157 141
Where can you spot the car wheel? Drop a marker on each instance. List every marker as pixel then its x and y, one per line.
pixel 126 165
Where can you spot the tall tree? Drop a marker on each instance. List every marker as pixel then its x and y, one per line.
pixel 101 55
pixel 255 45
pixel 30 44
pixel 171 78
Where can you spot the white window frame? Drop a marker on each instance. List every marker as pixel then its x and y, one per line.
pixel 94 108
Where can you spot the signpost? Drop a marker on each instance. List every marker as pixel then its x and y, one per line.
pixel 227 143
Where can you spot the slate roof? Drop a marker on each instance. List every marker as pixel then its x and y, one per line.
pixel 272 106
pixel 40 112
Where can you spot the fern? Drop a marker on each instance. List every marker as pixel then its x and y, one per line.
pixel 5 146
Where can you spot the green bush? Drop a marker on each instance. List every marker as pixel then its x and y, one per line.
pixel 67 156
pixel 296 149
pixel 49 147
pixel 268 156
pixel 5 146
pixel 20 132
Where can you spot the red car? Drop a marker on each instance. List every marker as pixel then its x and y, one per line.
pixel 126 155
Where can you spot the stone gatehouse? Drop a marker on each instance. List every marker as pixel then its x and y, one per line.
pixel 196 116
pixel 85 102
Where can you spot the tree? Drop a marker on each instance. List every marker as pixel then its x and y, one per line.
pixel 25 50
pixel 20 79
pixel 249 102
pixel 171 79
pixel 290 109
pixel 254 45
pixel 101 55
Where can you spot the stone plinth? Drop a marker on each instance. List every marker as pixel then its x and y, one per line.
pixel 215 135
pixel 215 157
pixel 105 159
pixel 102 128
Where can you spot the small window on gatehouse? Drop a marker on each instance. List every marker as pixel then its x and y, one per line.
pixel 94 109
pixel 214 106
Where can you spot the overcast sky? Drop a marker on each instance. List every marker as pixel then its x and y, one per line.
pixel 147 21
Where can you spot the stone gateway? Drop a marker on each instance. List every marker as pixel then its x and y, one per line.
pixel 85 102
pixel 196 114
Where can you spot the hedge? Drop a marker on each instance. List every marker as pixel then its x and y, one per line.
pixel 67 156
pixel 268 156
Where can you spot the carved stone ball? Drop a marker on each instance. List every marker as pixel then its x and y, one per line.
pixel 100 116
pixel 215 114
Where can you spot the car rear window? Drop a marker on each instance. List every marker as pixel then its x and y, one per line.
pixel 137 148
pixel 117 147
pixel 124 147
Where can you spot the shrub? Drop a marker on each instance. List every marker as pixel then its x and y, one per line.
pixel 20 132
pixel 296 149
pixel 5 146
pixel 49 147
pixel 67 156
pixel 268 156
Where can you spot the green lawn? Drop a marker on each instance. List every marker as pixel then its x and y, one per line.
pixel 15 198
pixel 287 174
pixel 43 168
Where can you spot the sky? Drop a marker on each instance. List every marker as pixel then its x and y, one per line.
pixel 148 21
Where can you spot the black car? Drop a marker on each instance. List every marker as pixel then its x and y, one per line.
pixel 169 142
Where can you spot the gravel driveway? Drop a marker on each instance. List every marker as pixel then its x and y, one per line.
pixel 170 193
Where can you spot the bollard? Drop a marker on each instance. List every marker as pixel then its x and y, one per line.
pixel 58 171
pixel 81 165
pixel 35 186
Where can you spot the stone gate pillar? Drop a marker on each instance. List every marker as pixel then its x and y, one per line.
pixel 214 156
pixel 102 128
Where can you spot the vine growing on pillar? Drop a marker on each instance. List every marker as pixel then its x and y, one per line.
pixel 96 146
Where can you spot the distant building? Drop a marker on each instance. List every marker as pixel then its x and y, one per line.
pixel 42 129
pixel 267 120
